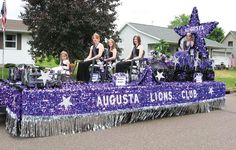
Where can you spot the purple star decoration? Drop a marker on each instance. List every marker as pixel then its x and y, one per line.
pixel 200 30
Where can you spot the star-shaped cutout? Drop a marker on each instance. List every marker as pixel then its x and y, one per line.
pixel 199 30
pixel 211 91
pixel 159 76
pixel 175 60
pixel 45 77
pixel 66 102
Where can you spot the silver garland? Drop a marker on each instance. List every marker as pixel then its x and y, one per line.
pixel 11 123
pixel 32 126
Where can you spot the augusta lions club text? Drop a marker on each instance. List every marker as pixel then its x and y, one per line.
pixel 125 99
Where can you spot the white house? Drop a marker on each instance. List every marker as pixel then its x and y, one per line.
pixel 230 40
pixel 151 34
pixel 16 44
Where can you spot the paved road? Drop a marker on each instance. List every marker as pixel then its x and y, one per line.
pixel 210 131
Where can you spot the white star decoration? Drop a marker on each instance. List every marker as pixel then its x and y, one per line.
pixel 45 77
pixel 176 60
pixel 211 91
pixel 66 102
pixel 159 75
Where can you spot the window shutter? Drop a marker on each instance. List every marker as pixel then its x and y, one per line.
pixel 1 40
pixel 19 47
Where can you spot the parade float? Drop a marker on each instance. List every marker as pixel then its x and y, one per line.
pixel 41 104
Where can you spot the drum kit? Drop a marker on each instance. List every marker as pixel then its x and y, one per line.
pixel 184 69
pixel 162 70
pixel 32 76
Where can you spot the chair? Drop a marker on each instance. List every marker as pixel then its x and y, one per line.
pixel 137 68
pixel 72 68
pixel 100 72
pixel 67 73
pixel 95 72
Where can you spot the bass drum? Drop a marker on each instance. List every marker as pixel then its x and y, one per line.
pixel 162 67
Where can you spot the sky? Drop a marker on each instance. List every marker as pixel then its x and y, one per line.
pixel 161 12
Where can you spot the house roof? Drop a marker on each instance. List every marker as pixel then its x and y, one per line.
pixel 234 33
pixel 231 32
pixel 16 26
pixel 166 34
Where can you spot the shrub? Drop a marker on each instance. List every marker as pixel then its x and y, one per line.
pixel 9 65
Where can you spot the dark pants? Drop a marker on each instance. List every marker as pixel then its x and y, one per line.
pixel 123 66
pixel 83 73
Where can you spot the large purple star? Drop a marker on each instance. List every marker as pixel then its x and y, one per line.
pixel 199 30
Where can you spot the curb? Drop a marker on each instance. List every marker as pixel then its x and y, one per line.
pixel 230 91
pixel 2 110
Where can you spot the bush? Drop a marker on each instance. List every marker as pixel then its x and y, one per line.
pixel 48 62
pixel 162 47
pixel 9 65
pixel 41 68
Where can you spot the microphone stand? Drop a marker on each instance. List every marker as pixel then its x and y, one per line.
pixel 132 63
pixel 93 63
pixel 106 63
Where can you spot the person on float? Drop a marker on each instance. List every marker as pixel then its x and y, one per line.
pixel 187 43
pixel 111 52
pixel 136 54
pixel 64 66
pixel 95 53
pixel 186 52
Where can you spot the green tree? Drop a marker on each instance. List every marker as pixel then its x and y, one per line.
pixel 58 25
pixel 180 20
pixel 216 35
pixel 162 47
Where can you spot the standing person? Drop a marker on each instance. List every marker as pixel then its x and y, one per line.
pixel 136 54
pixel 232 61
pixel 95 53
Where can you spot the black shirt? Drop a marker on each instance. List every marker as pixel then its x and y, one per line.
pixel 135 53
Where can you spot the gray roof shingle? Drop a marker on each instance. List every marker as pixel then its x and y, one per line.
pixel 234 33
pixel 168 35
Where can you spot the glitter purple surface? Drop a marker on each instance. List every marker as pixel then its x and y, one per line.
pixel 200 30
pixel 85 97
pixel 184 59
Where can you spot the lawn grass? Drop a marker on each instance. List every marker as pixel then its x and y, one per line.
pixel 5 73
pixel 228 77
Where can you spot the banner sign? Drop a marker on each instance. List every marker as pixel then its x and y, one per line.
pixel 96 98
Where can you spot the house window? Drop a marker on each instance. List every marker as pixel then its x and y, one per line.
pixel 230 44
pixel 10 41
